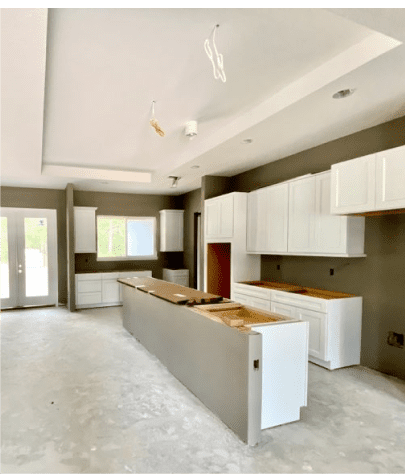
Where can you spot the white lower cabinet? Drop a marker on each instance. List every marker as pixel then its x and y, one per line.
pixel 180 276
pixel 102 289
pixel 334 323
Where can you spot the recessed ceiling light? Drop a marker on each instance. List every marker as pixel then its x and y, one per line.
pixel 194 167
pixel 343 93
pixel 247 140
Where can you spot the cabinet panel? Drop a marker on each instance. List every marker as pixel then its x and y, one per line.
pixel 331 230
pixel 242 299
pixel 226 217
pixel 277 218
pixel 88 286
pixel 110 291
pixel 353 185
pixel 390 179
pixel 317 332
pixel 260 304
pixel 301 219
pixel 85 229
pixel 257 221
pixel 212 210
pixel 171 230
pixel 88 298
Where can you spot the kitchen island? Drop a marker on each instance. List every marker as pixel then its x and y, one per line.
pixel 249 367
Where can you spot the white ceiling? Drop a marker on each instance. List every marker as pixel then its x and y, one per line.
pixel 101 69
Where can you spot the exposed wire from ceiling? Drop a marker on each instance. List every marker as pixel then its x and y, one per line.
pixel 218 62
pixel 155 123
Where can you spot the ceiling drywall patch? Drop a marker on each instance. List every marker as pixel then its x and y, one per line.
pixel 96 173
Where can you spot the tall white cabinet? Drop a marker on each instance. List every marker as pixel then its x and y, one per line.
pixel 225 222
pixel 369 183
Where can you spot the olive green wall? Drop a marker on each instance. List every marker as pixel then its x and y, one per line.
pixel 121 204
pixel 380 277
pixel 44 199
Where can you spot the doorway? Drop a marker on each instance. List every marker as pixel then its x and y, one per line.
pixel 29 267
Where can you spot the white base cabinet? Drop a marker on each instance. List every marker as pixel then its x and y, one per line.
pixel 102 289
pixel 334 324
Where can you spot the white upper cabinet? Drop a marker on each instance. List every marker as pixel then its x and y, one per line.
pixel 353 185
pixel 219 217
pixel 390 179
pixel 85 229
pixel 294 218
pixel 267 219
pixel 301 217
pixel 171 230
pixel 370 183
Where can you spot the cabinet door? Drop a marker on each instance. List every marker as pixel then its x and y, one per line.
pixel 110 292
pixel 242 299
pixel 390 179
pixel 259 303
pixel 301 219
pixel 85 230
pixel 171 231
pixel 284 309
pixel 257 221
pixel 226 216
pixel 353 185
pixel 330 230
pixel 317 332
pixel 276 218
pixel 212 210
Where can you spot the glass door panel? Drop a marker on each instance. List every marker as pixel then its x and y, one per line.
pixel 5 280
pixel 29 270
pixel 36 256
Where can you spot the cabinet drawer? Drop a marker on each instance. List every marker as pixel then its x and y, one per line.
pixel 89 298
pixel 254 291
pixel 284 309
pixel 88 286
pixel 88 276
pixel 110 276
pixel 142 273
pixel 302 301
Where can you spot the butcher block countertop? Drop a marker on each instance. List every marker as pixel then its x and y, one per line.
pixel 303 290
pixel 172 292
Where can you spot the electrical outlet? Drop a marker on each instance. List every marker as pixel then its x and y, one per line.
pixel 278 267
pixel 395 339
pixel 331 272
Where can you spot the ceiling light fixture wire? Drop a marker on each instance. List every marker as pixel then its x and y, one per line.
pixel 155 123
pixel 218 63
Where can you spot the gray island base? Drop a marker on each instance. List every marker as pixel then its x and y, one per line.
pixel 224 366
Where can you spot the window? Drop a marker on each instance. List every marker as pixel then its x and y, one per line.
pixel 122 238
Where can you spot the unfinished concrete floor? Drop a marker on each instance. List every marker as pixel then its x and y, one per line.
pixel 79 394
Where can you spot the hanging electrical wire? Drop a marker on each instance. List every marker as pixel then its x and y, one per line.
pixel 155 123
pixel 218 62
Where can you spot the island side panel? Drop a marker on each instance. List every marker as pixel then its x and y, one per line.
pixel 215 362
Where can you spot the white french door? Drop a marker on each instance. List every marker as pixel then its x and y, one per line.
pixel 29 266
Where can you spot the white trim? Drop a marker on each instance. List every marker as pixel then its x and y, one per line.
pixel 96 173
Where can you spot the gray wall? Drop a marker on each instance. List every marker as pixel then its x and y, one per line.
pixel 121 204
pixel 380 277
pixel 191 205
pixel 44 199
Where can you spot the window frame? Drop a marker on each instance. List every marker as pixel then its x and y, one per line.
pixel 154 256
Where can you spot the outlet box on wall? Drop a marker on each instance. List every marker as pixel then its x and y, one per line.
pixel 395 339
